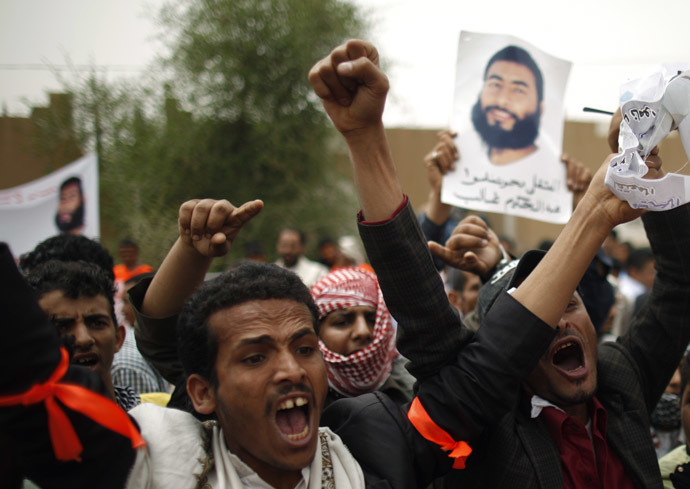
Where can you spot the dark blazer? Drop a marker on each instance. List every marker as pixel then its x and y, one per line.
pixel 465 393
pixel 517 451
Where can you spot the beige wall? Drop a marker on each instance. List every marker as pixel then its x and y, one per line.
pixel 32 147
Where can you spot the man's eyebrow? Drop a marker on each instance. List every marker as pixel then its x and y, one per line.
pixel 266 339
pixel 96 316
pixel 61 320
pixel 256 340
pixel 513 82
pixel 520 82
pixel 302 333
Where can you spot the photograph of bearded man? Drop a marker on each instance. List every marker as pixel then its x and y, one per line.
pixel 69 217
pixel 509 107
pixel 508 114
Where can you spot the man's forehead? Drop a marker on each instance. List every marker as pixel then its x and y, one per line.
pixel 511 72
pixel 289 234
pixel 279 319
pixel 55 302
pixel 70 188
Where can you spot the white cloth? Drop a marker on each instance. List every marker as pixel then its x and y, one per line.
pixel 309 271
pixel 174 455
pixel 539 403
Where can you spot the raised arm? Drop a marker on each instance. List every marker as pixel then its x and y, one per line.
pixel 558 274
pixel 207 229
pixel 353 91
pixel 439 161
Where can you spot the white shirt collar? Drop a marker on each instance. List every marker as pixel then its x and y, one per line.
pixel 538 404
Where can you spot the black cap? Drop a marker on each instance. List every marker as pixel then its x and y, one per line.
pixel 508 276
pixel 512 275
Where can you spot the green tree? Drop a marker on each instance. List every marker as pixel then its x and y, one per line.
pixel 240 66
pixel 235 119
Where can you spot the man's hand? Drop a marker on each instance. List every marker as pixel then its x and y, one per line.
pixel 441 159
pixel 600 197
pixel 473 247
pixel 578 177
pixel 438 162
pixel 210 226
pixel 351 86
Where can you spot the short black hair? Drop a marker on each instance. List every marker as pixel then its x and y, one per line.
pixel 128 243
pixel 520 56
pixel 639 257
pixel 74 279
pixel 197 343
pixel 72 181
pixel 300 233
pixel 456 279
pixel 68 247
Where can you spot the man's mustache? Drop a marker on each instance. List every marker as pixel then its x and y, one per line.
pixel 496 107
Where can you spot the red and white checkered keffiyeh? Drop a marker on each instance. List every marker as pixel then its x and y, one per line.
pixel 366 370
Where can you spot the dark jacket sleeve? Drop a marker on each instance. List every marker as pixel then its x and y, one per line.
pixel 659 333
pixel 433 232
pixel 156 338
pixel 430 332
pixel 483 384
pixel 29 353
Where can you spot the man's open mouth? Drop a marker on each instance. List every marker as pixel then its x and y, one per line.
pixel 292 418
pixel 89 360
pixel 568 356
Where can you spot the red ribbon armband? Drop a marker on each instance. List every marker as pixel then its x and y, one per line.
pixel 66 444
pixel 420 419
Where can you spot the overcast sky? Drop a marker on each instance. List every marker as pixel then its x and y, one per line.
pixel 608 41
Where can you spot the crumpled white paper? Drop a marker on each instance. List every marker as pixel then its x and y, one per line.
pixel 652 107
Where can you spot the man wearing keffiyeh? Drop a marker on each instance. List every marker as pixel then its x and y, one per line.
pixel 356 338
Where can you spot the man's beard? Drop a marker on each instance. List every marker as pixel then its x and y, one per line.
pixel 76 222
pixel 523 134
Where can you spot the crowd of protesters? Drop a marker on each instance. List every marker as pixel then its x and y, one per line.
pixel 432 356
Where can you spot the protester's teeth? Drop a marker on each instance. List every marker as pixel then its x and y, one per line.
pixel 291 403
pixel 299 436
pixel 566 345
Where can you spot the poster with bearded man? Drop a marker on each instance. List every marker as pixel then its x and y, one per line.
pixel 64 201
pixel 508 113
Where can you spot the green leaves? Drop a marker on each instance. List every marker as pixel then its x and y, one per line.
pixel 232 118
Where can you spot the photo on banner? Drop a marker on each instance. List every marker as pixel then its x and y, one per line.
pixel 508 112
pixel 64 201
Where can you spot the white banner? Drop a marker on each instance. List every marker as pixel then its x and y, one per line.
pixel 508 113
pixel 65 201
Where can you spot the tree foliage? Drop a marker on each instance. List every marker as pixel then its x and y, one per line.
pixel 235 120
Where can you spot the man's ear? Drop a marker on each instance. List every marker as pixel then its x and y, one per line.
pixel 541 108
pixel 120 333
pixel 455 299
pixel 201 393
